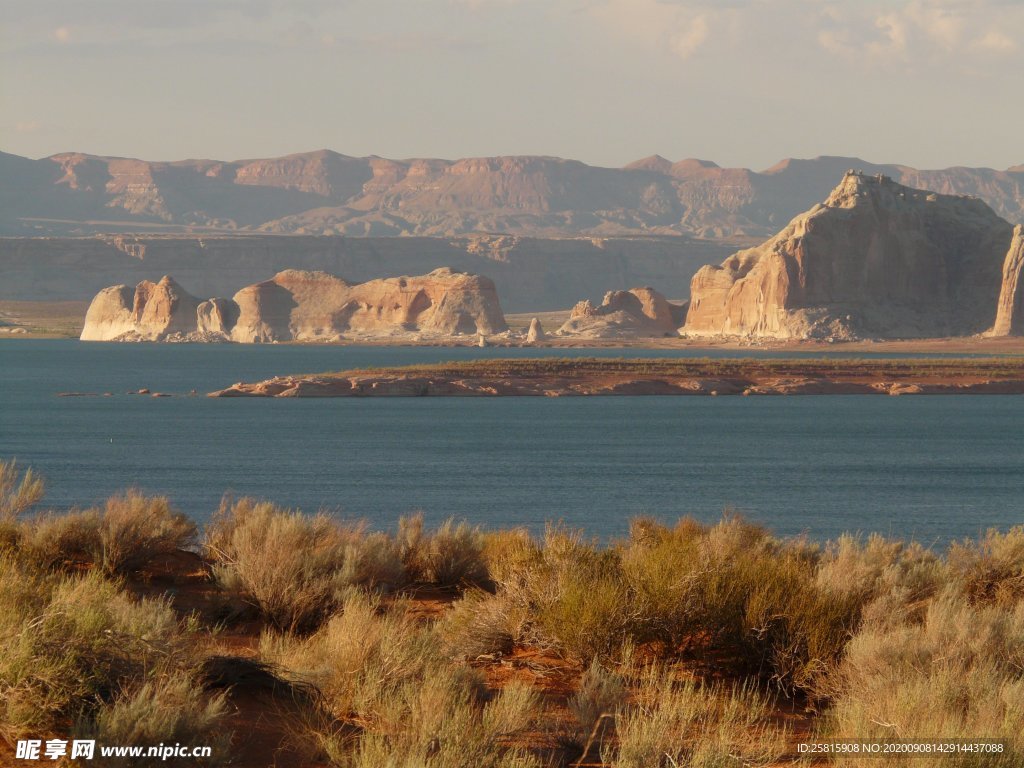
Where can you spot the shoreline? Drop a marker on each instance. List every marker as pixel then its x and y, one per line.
pixel 559 377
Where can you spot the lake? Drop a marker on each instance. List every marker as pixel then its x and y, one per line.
pixel 933 468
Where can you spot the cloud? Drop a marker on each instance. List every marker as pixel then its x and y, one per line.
pixel 994 41
pixel 919 31
pixel 687 40
pixel 681 28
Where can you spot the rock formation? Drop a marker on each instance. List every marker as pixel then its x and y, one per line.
pixel 301 306
pixel 153 311
pixel 535 332
pixel 876 259
pixel 637 312
pixel 326 193
pixel 1010 310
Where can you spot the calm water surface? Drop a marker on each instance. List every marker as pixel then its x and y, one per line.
pixel 930 467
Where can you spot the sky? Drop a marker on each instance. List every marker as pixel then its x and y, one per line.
pixel 926 83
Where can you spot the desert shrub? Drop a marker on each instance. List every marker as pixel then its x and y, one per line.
pixel 127 533
pixel 601 692
pixel 796 630
pixel 661 567
pixel 55 541
pixel 505 551
pixel 19 491
pixel 359 657
pixel 451 556
pixel 575 597
pixel 675 723
pixel 867 569
pixel 70 643
pixel 957 674
pixel 295 568
pixel 991 569
pixel 384 671
pixel 166 710
pixel 135 529
pixel 732 591
pixel 481 623
pixel 440 722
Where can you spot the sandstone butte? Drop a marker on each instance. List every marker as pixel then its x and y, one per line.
pixel 875 260
pixel 550 377
pixel 637 313
pixel 298 305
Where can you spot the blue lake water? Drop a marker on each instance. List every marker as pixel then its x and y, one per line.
pixel 933 468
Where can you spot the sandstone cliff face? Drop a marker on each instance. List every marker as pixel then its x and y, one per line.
pixel 152 312
pixel 637 312
pixel 1010 310
pixel 301 306
pixel 327 193
pixel 876 259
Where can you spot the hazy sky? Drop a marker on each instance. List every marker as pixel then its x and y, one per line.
pixel 930 83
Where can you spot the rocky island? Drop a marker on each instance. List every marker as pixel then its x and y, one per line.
pixel 553 377
pixel 299 305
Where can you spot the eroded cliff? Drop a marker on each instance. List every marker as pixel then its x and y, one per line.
pixel 876 259
pixel 298 305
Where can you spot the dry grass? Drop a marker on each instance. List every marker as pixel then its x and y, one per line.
pixel 68 644
pixel 451 556
pixel 886 639
pixel 169 709
pixel 387 677
pixel 19 491
pixel 295 568
pixel 957 674
pixel 991 569
pixel 674 723
pixel 601 692
pixel 482 624
pixel 129 532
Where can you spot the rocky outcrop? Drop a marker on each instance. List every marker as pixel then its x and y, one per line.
pixel 876 259
pixel 297 305
pixel 535 332
pixel 638 312
pixel 304 306
pixel 1010 310
pixel 152 312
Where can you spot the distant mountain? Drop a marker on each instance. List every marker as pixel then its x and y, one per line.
pixel 324 192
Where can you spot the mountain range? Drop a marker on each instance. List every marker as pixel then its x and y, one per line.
pixel 327 193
